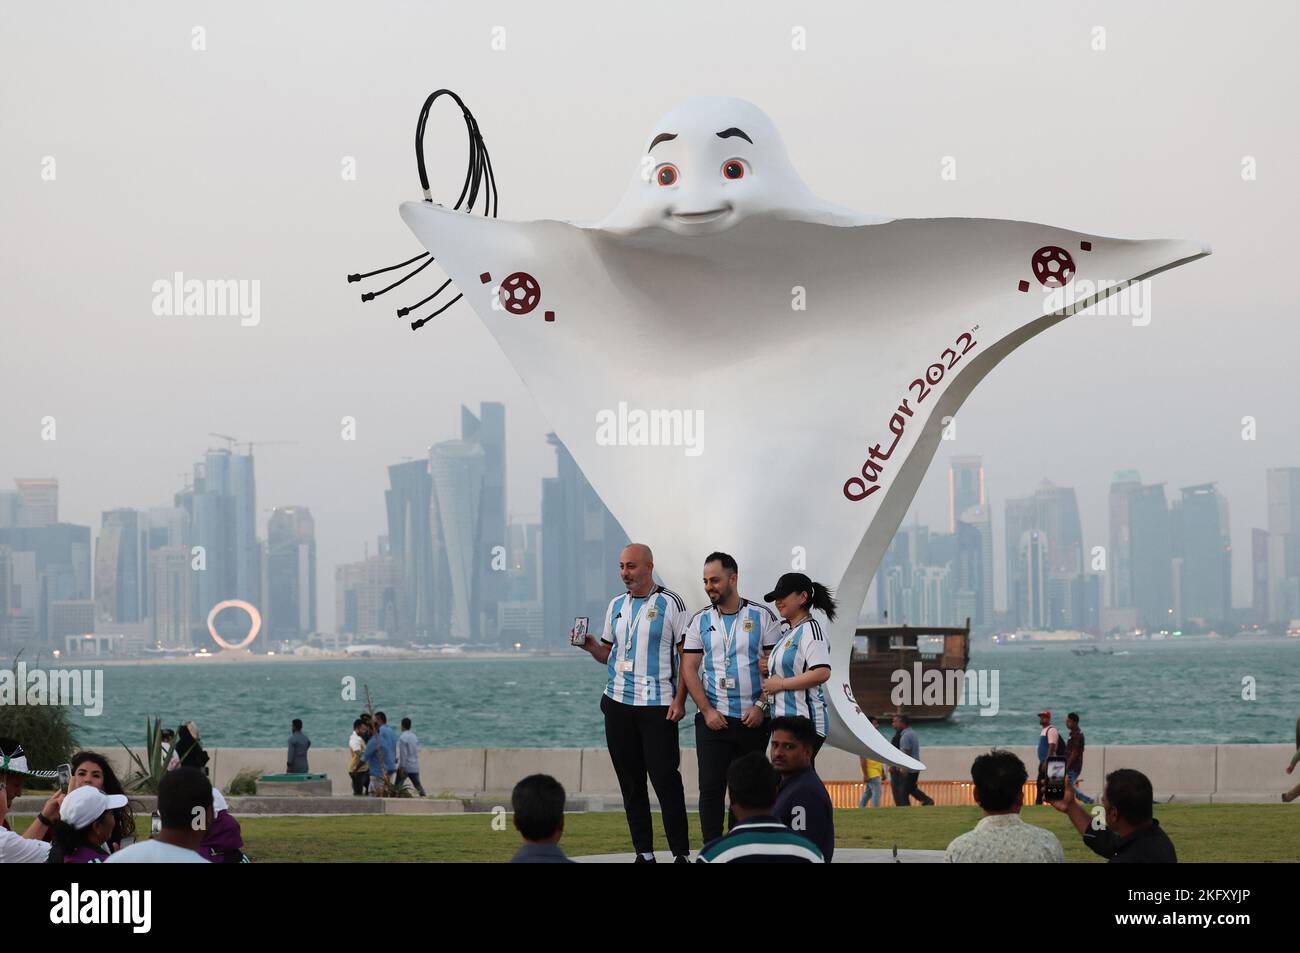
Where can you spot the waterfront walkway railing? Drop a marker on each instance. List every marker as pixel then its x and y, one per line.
pixel 947 793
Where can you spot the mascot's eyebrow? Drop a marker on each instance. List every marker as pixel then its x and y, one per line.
pixel 662 137
pixel 733 131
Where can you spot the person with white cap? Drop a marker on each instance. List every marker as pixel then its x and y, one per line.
pixel 85 824
pixel 28 847
pixel 225 841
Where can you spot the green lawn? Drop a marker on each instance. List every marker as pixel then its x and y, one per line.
pixel 1219 832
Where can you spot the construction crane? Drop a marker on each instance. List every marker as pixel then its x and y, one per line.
pixel 264 443
pixel 233 442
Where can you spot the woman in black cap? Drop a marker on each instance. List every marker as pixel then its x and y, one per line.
pixel 801 660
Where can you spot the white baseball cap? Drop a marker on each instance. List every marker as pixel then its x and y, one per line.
pixel 85 805
pixel 219 801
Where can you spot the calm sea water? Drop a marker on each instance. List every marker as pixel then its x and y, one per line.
pixel 1159 693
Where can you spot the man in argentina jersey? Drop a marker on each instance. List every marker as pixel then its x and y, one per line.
pixel 644 700
pixel 724 643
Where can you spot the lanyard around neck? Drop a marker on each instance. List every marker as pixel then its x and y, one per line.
pixel 728 638
pixel 635 620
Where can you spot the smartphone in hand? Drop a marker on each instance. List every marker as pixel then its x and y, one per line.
pixel 578 635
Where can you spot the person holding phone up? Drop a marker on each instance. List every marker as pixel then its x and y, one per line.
pixel 644 699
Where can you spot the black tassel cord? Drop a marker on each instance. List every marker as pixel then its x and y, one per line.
pixel 479 181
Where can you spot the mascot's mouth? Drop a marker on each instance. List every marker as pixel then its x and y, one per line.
pixel 699 218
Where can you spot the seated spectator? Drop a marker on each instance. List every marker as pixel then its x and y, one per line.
pixel 185 807
pixel 802 803
pixel 1001 837
pixel 538 805
pixel 1132 835
pixel 225 842
pixel 757 837
pixel 86 822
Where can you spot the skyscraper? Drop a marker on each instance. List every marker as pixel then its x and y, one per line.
pixel 1204 545
pixel 171 591
pixel 247 547
pixel 581 543
pixel 974 588
pixel 48 564
pixel 965 488
pixel 1151 576
pixel 38 502
pixel 1034 612
pixel 1122 487
pixel 410 506
pixel 10 504
pixel 1259 576
pixel 290 574
pixel 121 567
pixel 220 509
pixel 1283 490
pixel 457 468
pixel 367 594
pixel 491 577
pixel 1053 511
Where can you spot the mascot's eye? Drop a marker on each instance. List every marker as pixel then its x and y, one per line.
pixel 667 175
pixel 733 169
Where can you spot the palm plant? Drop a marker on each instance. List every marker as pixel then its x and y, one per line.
pixel 47 735
pixel 146 772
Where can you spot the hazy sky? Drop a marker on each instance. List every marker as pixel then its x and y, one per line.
pixel 225 163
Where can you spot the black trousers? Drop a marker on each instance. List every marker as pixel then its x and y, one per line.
pixel 715 751
pixel 906 787
pixel 642 741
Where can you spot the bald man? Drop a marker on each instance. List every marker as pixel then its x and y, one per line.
pixel 644 700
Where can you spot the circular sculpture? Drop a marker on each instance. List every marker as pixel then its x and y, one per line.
pixel 254 617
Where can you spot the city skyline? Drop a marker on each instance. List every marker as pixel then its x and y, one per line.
pixel 113 563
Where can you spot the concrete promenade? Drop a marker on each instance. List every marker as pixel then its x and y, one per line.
pixel 1220 774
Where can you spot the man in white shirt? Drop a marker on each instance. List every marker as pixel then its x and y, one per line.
pixel 358 771
pixel 185 807
pixel 1001 837
pixel 26 848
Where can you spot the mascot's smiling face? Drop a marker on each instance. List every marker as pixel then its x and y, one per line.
pixel 711 162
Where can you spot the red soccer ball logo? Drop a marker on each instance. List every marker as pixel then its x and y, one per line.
pixel 520 293
pixel 1052 266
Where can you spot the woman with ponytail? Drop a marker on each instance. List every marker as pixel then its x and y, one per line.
pixel 801 661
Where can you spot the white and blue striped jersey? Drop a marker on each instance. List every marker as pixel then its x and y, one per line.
pixel 800 650
pixel 732 646
pixel 644 632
